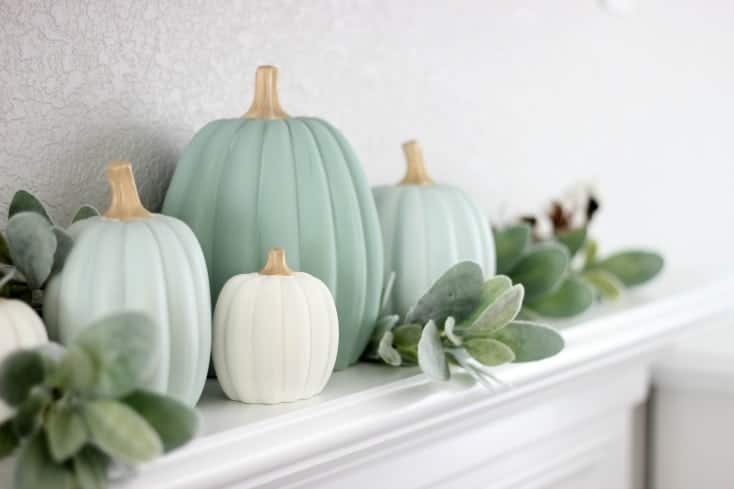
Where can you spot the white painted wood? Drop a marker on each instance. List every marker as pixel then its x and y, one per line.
pixel 566 423
pixel 692 410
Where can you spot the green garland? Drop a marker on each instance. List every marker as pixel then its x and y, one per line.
pixel 80 410
pixel 464 321
pixel 33 248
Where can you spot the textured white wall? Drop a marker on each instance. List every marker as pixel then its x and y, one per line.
pixel 514 99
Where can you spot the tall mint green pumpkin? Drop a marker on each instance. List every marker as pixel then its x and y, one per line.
pixel 132 260
pixel 427 228
pixel 268 180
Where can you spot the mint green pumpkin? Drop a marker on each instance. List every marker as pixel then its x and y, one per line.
pixel 132 260
pixel 427 228
pixel 267 180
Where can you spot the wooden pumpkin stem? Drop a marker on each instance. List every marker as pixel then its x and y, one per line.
pixel 415 173
pixel 265 104
pixel 125 202
pixel 276 264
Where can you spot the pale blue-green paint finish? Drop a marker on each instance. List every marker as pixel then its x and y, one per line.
pixel 426 229
pixel 248 185
pixel 150 265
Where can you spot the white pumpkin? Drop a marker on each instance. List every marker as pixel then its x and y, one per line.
pixel 276 334
pixel 132 260
pixel 20 327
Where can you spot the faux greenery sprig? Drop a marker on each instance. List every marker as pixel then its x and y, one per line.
pixel 79 411
pixel 558 282
pixel 33 247
pixel 466 321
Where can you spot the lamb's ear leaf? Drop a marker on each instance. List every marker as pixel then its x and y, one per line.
pixel 503 310
pixel 491 290
pixel 407 335
pixel 121 432
pixel 123 350
pixel 175 422
pixel 90 468
pixel 85 212
pixel 573 297
pixel 382 326
pixel 35 469
pixel 387 352
pixel 32 244
pixel 65 431
pixel 573 239
pixel 607 285
pixel 541 269
pixel 4 251
pixel 20 372
pixel 64 243
pixel 24 201
pixel 530 341
pixel 489 352
pixel 510 243
pixel 9 440
pixel 431 355
pixel 633 267
pixel 456 293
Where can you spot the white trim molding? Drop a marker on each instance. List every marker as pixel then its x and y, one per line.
pixel 565 422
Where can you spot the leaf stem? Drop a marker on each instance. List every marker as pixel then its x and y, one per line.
pixel 7 278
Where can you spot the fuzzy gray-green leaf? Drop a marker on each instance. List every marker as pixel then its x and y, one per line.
pixel 383 325
pixel 573 297
pixel 510 243
pixel 64 242
pixel 85 212
pixel 32 245
pixel 121 432
pixel 530 341
pixel 4 251
pixel 573 239
pixel 387 352
pixel 431 356
pixel 65 431
pixel 24 201
pixel 123 349
pixel 174 422
pixel 489 352
pixel 456 293
pixel 407 334
pixel 491 290
pixel 19 373
pixel 632 267
pixel 541 269
pixel 503 310
pixel 607 285
pixel 8 438
pixel 35 469
pixel 90 468
pixel 28 416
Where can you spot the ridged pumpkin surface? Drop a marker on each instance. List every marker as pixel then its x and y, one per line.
pixel 426 230
pixel 248 185
pixel 275 337
pixel 153 265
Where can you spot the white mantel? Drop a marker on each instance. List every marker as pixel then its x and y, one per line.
pixel 567 422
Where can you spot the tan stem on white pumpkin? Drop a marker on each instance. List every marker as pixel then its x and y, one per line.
pixel 276 264
pixel 415 173
pixel 265 104
pixel 125 201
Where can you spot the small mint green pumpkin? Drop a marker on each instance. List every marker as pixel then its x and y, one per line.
pixel 267 180
pixel 427 228
pixel 131 260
